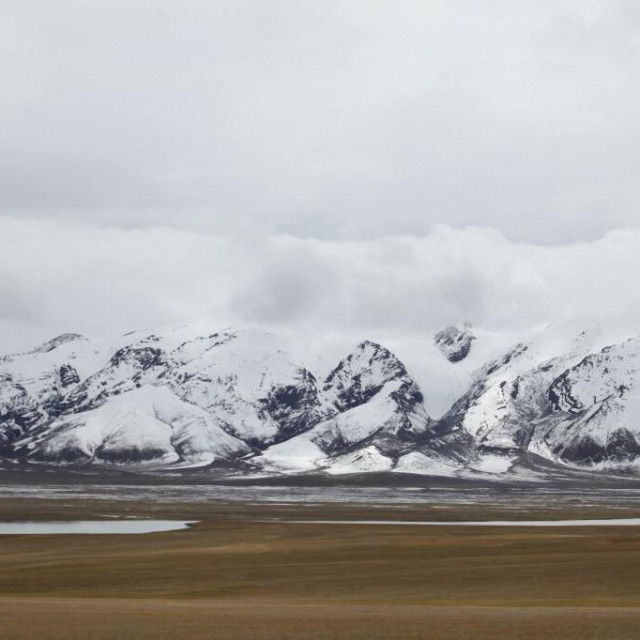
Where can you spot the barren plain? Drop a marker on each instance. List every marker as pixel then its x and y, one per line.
pixel 243 572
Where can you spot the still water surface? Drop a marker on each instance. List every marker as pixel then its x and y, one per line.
pixel 610 522
pixel 92 527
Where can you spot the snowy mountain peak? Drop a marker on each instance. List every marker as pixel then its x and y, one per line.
pixel 187 397
pixel 362 374
pixel 596 410
pixel 455 342
pixel 58 341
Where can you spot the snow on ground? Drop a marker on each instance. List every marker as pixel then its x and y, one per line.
pixel 367 459
pixel 493 463
pixel 419 463
pixel 151 422
pixel 297 454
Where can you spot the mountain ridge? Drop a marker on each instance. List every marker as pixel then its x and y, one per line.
pixel 183 398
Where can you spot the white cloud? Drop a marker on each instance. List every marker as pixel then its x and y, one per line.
pixel 291 162
pixel 62 276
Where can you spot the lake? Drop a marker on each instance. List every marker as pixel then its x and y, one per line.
pixel 92 527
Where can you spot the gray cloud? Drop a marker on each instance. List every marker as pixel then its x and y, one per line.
pixel 62 276
pixel 335 120
pixel 347 167
pixel 294 283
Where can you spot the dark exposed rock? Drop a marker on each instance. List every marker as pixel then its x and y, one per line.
pixel 560 395
pixel 140 357
pixel 18 411
pixel 582 451
pixel 58 341
pixel 68 455
pixel 495 365
pixel 296 407
pixel 454 343
pixel 128 455
pixel 622 446
pixel 363 373
pixel 68 375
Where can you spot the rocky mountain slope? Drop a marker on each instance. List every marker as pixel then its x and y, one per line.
pixel 372 402
pixel 242 402
pixel 455 342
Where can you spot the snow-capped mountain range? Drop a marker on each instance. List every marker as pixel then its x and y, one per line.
pixel 242 402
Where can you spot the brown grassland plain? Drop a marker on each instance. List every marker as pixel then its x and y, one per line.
pixel 240 573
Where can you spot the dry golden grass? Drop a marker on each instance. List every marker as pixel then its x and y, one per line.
pixel 236 576
pixel 105 619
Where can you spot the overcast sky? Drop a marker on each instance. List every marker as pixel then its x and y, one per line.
pixel 337 165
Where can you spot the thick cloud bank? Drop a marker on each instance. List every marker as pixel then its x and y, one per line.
pixel 340 119
pixel 61 276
